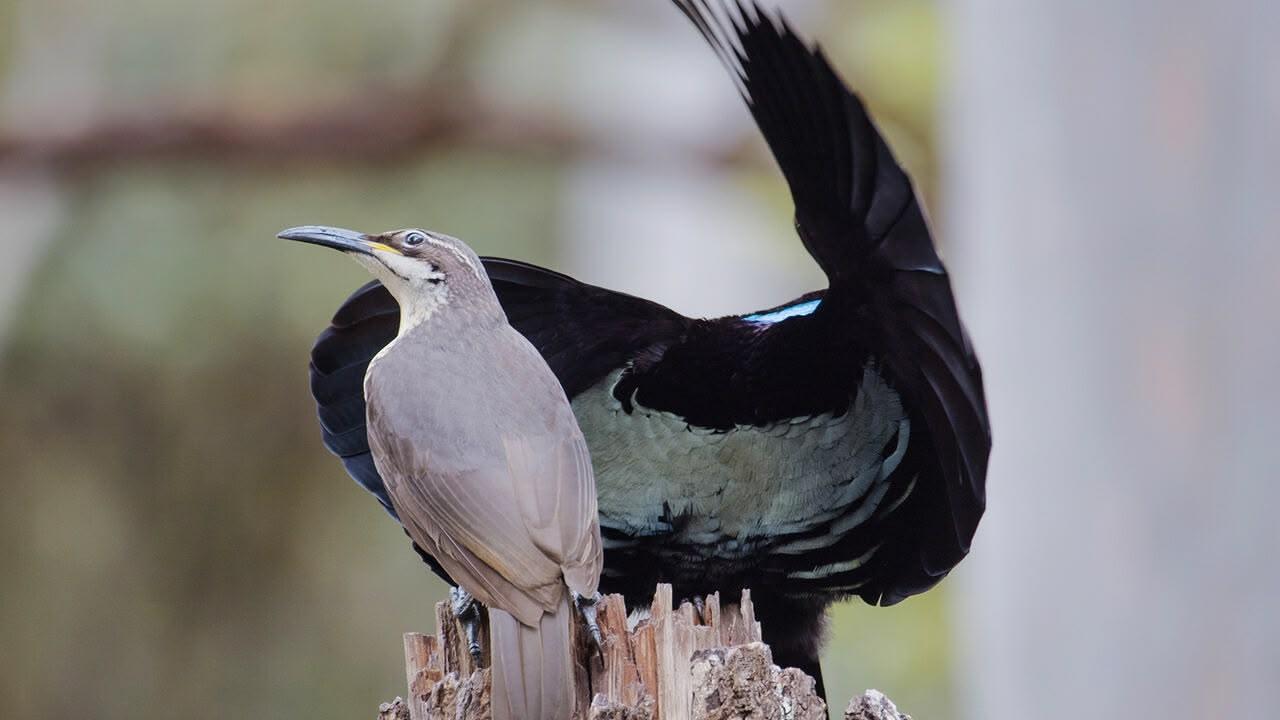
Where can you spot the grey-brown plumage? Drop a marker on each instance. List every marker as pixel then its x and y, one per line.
pixel 482 457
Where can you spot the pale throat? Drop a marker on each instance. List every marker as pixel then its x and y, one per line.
pixel 417 307
pixel 418 298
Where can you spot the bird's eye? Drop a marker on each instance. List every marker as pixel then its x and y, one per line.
pixel 414 239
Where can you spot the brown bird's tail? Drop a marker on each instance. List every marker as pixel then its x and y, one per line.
pixel 532 666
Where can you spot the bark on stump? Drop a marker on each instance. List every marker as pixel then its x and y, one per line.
pixel 676 663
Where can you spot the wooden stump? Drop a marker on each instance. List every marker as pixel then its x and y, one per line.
pixel 677 663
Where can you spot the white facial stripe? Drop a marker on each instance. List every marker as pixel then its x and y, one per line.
pixel 466 259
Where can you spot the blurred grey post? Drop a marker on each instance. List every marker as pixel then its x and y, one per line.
pixel 1113 196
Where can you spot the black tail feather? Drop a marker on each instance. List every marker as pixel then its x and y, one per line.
pixel 858 216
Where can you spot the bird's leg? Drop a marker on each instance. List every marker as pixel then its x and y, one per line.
pixel 587 606
pixel 467 610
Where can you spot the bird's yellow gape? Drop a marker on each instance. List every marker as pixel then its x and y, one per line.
pixel 383 247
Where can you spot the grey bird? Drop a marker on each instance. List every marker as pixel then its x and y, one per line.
pixel 482 456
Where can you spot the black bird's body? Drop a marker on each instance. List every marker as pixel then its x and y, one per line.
pixel 833 446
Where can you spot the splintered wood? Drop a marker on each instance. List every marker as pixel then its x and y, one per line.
pixel 443 680
pixel 679 663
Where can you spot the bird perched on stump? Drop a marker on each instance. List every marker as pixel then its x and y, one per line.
pixel 480 457
pixel 833 445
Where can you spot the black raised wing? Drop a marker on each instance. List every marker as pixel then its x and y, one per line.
pixel 858 215
pixel 366 322
pixel 582 331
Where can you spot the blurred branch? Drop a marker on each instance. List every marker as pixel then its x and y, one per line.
pixel 378 125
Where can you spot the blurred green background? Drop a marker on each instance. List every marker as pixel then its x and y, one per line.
pixel 177 541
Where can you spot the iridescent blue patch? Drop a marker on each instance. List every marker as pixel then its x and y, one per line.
pixel 790 311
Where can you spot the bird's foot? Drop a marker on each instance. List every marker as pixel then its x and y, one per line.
pixel 467 609
pixel 587 607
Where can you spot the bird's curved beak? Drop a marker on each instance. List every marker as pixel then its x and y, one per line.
pixel 337 238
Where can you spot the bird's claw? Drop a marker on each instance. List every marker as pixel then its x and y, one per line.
pixel 467 610
pixel 587 607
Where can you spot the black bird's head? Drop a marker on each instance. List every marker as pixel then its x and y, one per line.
pixel 421 268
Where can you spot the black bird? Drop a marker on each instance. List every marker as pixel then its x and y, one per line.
pixel 832 446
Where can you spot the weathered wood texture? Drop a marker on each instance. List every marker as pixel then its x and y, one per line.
pixel 673 663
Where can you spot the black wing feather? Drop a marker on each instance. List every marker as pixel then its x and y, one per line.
pixel 582 331
pixel 365 323
pixel 858 216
